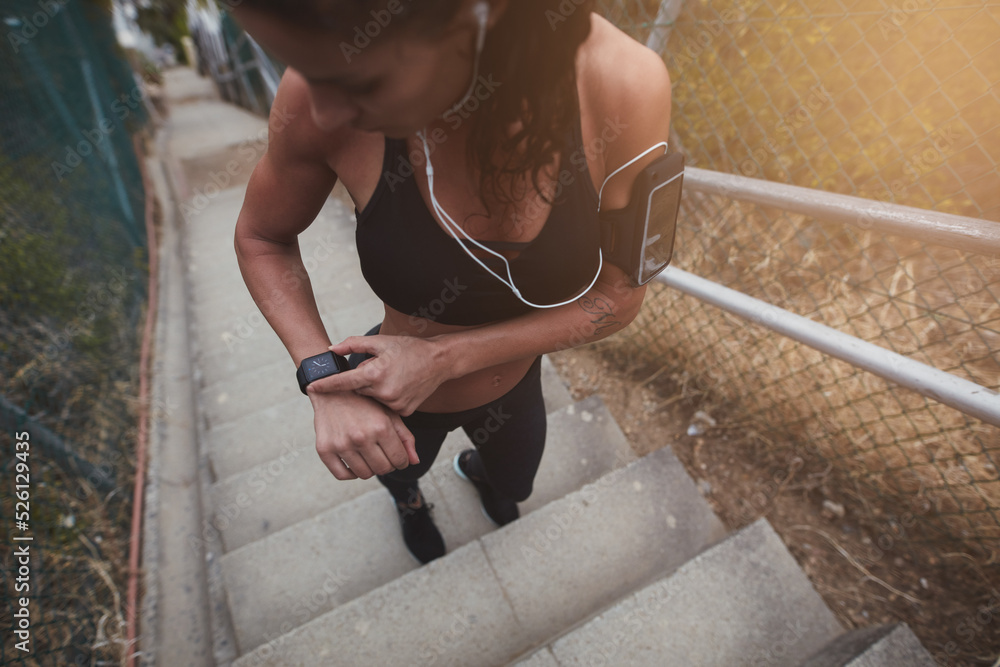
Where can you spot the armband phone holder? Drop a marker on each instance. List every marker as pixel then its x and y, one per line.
pixel 639 239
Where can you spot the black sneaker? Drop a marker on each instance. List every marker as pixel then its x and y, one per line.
pixel 421 536
pixel 497 509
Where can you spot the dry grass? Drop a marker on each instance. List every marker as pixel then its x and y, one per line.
pixel 81 536
pixel 869 560
pixel 934 305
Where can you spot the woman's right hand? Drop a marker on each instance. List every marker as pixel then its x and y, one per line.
pixel 360 432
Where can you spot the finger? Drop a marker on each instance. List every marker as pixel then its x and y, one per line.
pixel 357 464
pixel 370 344
pixel 337 467
pixel 406 438
pixel 377 459
pixel 346 381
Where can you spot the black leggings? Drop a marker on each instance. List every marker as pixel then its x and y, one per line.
pixel 509 433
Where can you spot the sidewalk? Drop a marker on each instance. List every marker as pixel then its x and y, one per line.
pixel 213 338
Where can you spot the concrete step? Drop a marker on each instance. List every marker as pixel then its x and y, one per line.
pixel 250 416
pixel 326 246
pixel 340 264
pixel 257 500
pixel 362 534
pixel 220 318
pixel 743 602
pixel 218 358
pixel 210 233
pixel 492 599
pixel 232 313
pixel 257 439
pixel 265 385
pixel 251 343
pixel 880 646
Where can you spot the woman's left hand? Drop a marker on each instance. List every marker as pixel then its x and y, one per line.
pixel 403 373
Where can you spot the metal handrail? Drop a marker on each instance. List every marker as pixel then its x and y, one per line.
pixel 954 231
pixel 931 382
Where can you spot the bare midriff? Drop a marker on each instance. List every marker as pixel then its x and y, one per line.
pixel 464 393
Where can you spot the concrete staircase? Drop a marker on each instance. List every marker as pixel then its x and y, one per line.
pixel 615 560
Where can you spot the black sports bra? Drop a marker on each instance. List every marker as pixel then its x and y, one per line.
pixel 418 268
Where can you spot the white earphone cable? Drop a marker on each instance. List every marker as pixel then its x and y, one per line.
pixel 482 14
pixel 626 165
pixel 452 226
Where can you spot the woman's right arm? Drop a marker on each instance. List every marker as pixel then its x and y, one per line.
pixel 286 191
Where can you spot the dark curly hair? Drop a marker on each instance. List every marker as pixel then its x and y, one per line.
pixel 531 50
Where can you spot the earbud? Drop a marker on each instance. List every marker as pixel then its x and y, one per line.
pixel 482 11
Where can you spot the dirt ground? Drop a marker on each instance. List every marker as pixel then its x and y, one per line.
pixel 854 554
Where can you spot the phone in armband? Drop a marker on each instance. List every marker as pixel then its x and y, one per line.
pixel 639 239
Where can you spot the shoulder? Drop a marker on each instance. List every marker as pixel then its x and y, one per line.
pixel 292 132
pixel 624 70
pixel 627 87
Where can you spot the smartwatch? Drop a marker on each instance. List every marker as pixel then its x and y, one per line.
pixel 320 366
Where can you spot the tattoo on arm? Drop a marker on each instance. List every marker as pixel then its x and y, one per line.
pixel 604 315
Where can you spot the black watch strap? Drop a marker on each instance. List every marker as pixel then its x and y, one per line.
pixel 320 366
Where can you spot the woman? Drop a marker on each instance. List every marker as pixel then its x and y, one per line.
pixel 522 108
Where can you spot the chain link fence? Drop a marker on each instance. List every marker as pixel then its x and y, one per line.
pixel 898 103
pixel 72 290
pixel 742 107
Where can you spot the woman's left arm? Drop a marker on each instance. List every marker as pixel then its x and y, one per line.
pixel 610 305
pixel 407 370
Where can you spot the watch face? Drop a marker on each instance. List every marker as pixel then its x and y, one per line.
pixel 319 367
pixel 323 365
